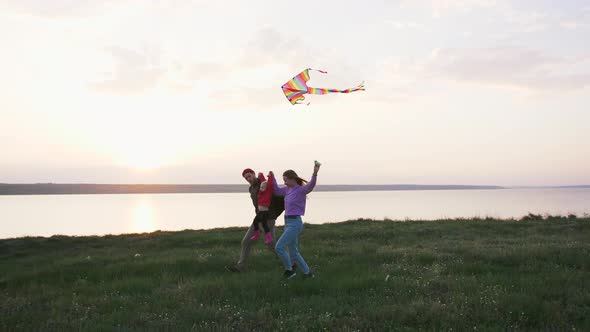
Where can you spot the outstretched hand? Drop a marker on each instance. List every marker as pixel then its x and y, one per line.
pixel 316 167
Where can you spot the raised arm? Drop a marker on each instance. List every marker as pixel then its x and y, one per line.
pixel 277 191
pixel 308 187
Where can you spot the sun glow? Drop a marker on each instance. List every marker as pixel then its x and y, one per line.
pixel 147 148
pixel 141 160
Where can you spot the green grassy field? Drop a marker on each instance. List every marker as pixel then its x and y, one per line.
pixel 370 275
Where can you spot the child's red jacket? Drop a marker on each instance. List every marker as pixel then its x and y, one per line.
pixel 264 197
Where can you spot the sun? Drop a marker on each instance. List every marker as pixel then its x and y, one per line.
pixel 149 142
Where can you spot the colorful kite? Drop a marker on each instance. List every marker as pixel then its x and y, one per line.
pixel 297 87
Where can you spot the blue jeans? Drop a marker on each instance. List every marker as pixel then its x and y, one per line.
pixel 290 239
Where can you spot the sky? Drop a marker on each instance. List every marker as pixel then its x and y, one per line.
pixel 458 92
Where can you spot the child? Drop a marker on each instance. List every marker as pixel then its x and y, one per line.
pixel 264 198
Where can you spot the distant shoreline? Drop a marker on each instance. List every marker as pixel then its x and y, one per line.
pixel 97 189
pixel 93 189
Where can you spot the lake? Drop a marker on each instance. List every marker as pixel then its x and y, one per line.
pixel 46 215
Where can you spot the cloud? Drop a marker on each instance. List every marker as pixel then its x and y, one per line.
pixel 138 70
pixel 269 45
pixel 56 9
pixel 71 9
pixel 398 80
pixel 135 71
pixel 528 70
pixel 259 98
pixel 439 8
pixel 516 16
pixel 578 20
pixel 461 4
pixel 541 17
pixel 400 25
pixel 510 67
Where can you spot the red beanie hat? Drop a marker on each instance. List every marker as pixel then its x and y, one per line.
pixel 247 170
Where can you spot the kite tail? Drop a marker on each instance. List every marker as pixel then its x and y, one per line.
pixel 321 71
pixel 320 91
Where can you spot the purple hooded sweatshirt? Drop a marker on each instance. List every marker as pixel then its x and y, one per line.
pixel 295 197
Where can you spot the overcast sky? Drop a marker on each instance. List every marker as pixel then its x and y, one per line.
pixel 458 91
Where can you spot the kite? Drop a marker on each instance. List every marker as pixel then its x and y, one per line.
pixel 297 87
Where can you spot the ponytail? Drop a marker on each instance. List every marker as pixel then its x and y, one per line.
pixel 290 174
pixel 300 181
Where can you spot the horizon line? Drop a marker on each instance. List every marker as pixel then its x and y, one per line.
pixel 337 184
pixel 97 189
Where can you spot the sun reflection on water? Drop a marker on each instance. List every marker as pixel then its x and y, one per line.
pixel 143 217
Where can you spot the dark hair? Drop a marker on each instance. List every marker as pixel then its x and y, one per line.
pixel 246 171
pixel 290 174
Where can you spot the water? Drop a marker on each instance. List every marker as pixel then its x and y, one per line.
pixel 46 215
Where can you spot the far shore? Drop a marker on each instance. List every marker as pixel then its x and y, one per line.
pixel 95 189
pixel 83 188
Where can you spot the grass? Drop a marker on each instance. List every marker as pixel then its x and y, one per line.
pixel 472 274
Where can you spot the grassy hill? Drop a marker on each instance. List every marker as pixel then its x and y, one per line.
pixel 436 275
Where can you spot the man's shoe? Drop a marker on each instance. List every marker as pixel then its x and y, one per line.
pixel 232 268
pixel 289 274
pixel 309 275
